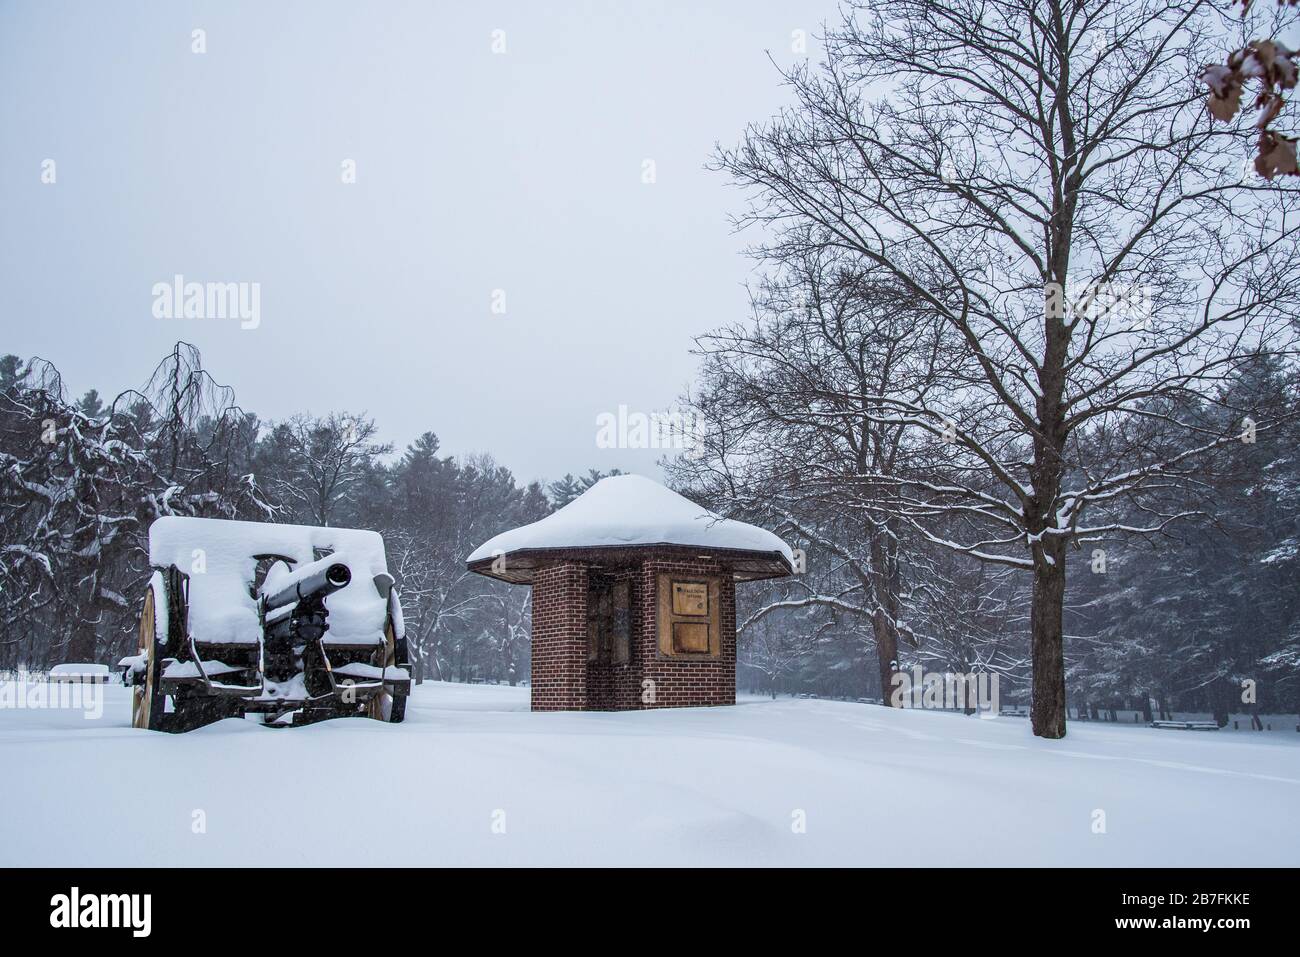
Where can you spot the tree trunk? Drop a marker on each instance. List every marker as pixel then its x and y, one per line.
pixel 1047 607
pixel 886 653
pixel 417 661
pixel 81 644
pixel 1222 704
pixel 1047 645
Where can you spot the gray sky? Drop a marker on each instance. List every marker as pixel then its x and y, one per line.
pixel 475 171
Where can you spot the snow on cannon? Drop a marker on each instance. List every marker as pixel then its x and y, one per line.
pixel 291 622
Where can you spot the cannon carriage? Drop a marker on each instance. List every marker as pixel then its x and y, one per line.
pixel 291 622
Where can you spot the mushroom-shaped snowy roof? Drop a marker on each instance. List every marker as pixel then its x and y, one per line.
pixel 630 513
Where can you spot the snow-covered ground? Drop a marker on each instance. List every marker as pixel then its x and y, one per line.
pixel 473 778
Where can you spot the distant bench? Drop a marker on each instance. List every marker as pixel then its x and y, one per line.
pixel 1185 725
pixel 80 674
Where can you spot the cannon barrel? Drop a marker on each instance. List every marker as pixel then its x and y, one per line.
pixel 319 578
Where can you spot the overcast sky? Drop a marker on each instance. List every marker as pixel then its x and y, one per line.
pixel 476 171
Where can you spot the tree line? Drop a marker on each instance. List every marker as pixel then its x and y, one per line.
pixel 81 481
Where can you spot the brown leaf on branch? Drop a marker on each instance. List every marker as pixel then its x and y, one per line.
pixel 1245 4
pixel 1224 107
pixel 1272 65
pixel 1225 90
pixel 1277 155
pixel 1270 105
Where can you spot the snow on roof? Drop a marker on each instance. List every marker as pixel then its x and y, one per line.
pixel 633 510
pixel 220 556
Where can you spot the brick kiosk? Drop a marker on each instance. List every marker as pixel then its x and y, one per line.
pixel 634 597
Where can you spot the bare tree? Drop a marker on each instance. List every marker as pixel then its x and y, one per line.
pixel 442 509
pixel 775 651
pixel 1043 177
pixel 783 400
pixel 327 460
pixel 80 485
pixel 511 630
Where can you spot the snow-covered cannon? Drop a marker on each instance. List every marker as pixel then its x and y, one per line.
pixel 319 578
pixel 292 622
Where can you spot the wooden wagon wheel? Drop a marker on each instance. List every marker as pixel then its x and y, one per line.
pixel 385 706
pixel 147 704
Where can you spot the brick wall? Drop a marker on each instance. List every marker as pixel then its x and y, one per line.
pixel 684 682
pixel 559 666
pixel 563 679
